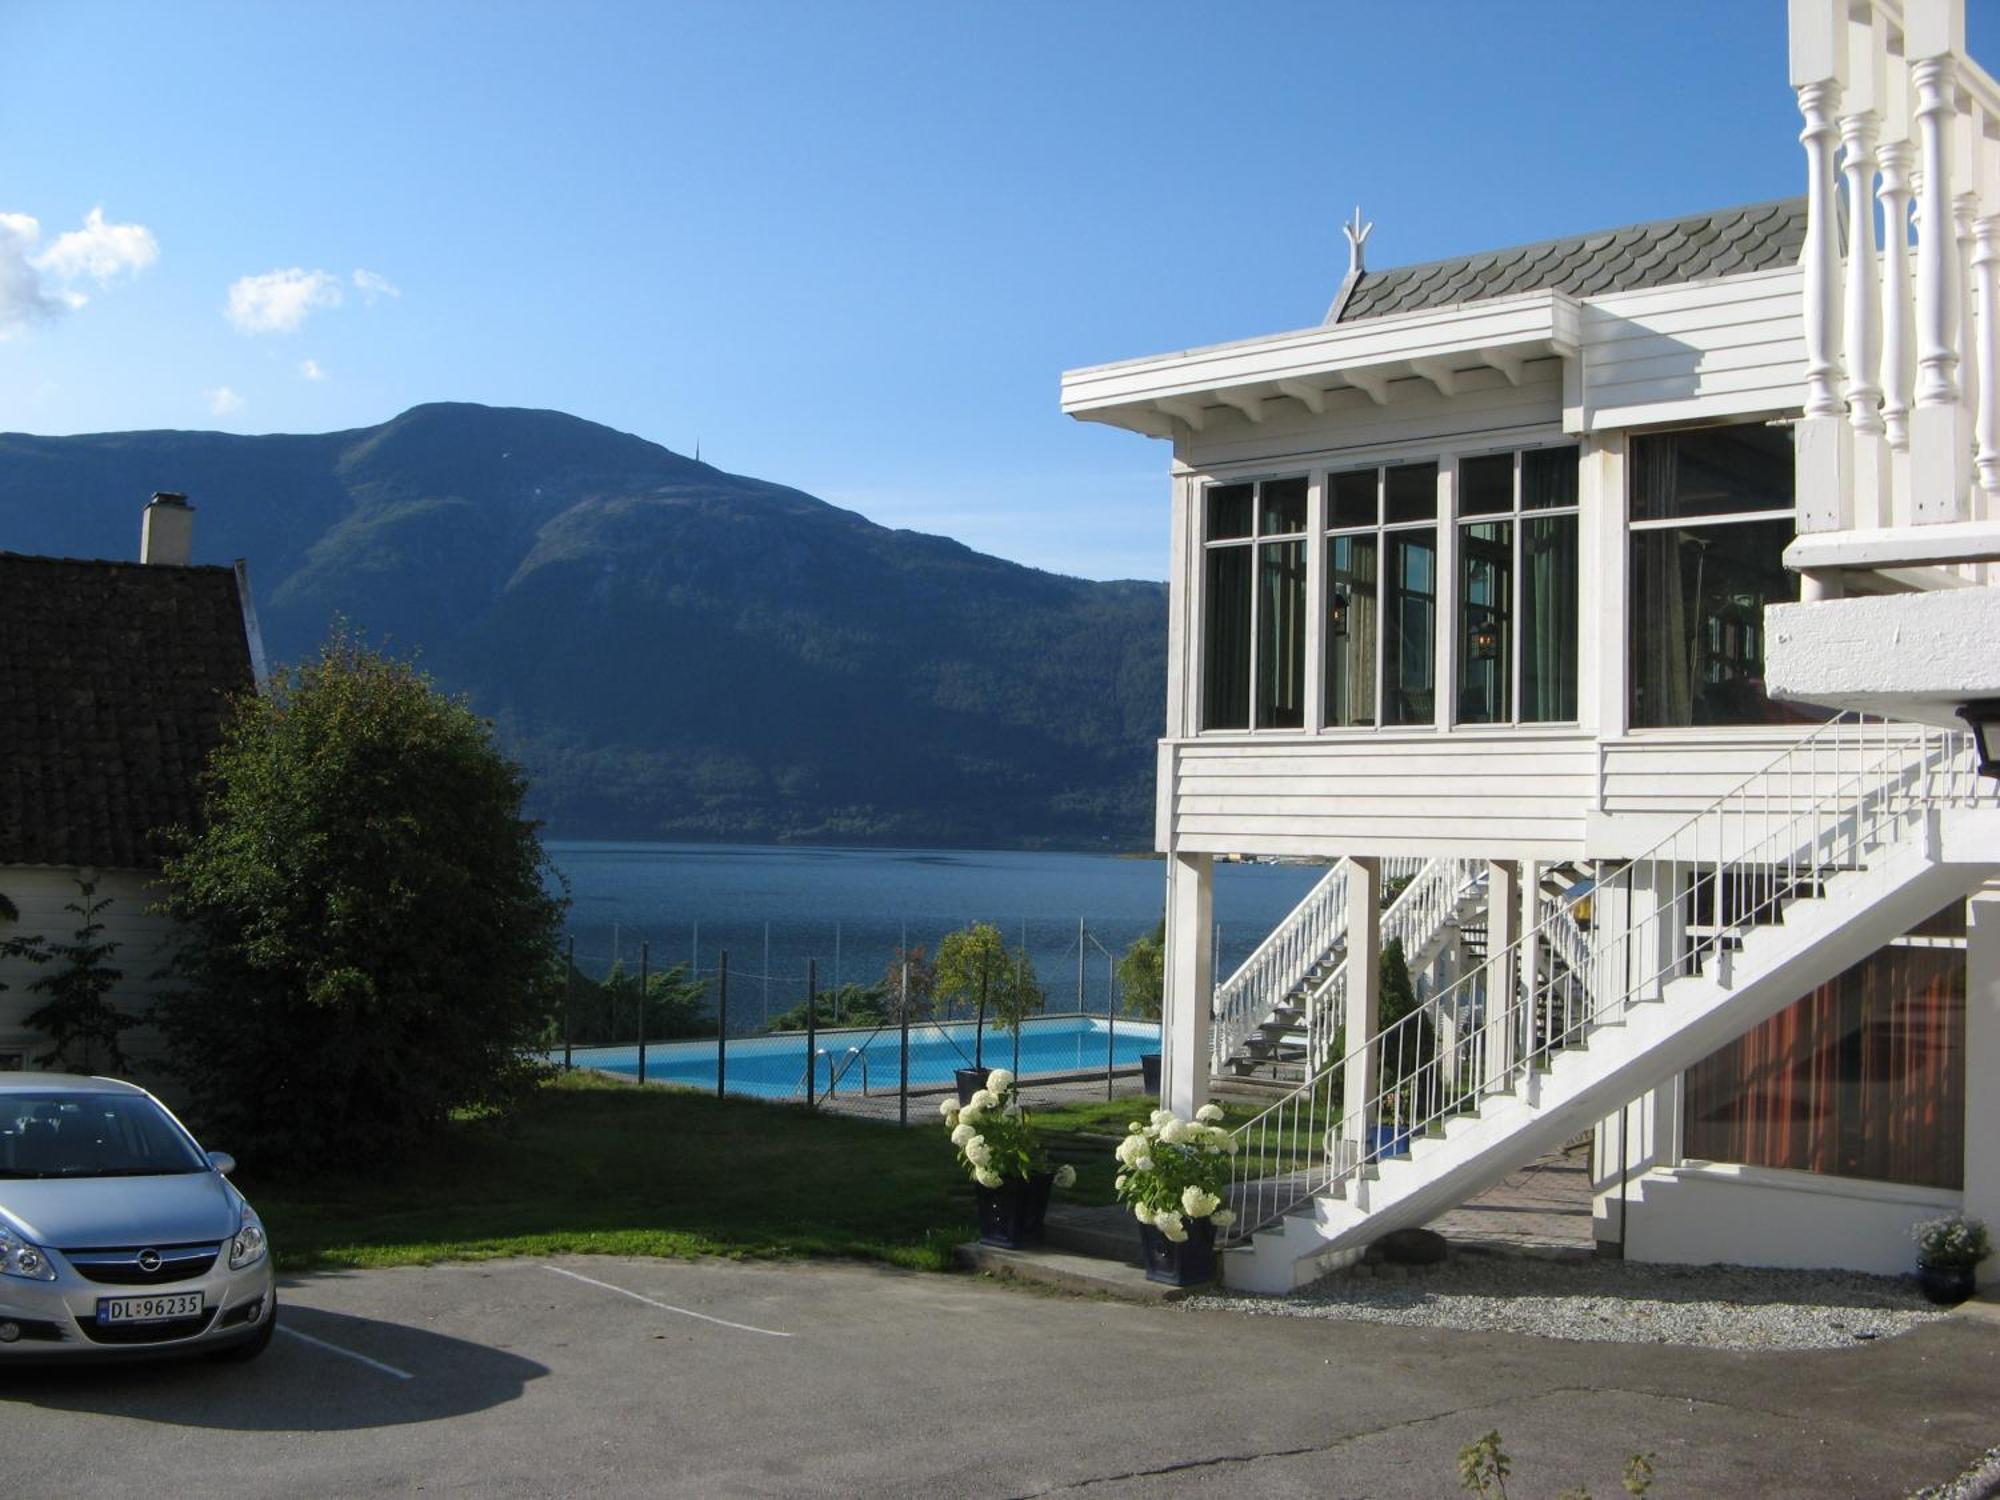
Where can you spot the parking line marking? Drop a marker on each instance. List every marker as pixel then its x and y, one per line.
pixel 373 1364
pixel 666 1306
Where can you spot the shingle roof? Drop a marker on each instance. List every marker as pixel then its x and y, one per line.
pixel 113 678
pixel 1723 243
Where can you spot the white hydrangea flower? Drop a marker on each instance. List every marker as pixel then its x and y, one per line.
pixel 984 1100
pixel 960 1134
pixel 1118 1182
pixel 970 1113
pixel 1170 1225
pixel 1160 1117
pixel 1197 1204
pixel 1142 1213
pixel 977 1151
pixel 999 1080
pixel 1144 1164
pixel 1208 1114
pixel 1173 1132
pixel 1223 1218
pixel 1134 1128
pixel 1065 1176
pixel 948 1108
pixel 986 1179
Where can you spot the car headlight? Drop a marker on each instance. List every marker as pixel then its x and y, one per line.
pixel 248 1246
pixel 19 1258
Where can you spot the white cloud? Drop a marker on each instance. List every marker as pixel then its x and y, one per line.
pixel 223 402
pixel 278 301
pixel 100 250
pixel 35 285
pixel 371 286
pixel 309 369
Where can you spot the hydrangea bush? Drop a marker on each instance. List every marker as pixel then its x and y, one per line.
pixel 1172 1171
pixel 995 1138
pixel 1953 1240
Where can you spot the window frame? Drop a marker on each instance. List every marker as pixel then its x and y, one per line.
pixel 1254 542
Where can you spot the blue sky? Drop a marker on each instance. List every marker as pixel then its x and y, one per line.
pixel 846 245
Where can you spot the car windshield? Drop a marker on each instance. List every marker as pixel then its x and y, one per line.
pixel 59 1134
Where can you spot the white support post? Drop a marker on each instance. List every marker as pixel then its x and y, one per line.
pixel 1503 928
pixel 1982 1066
pixel 1363 1011
pixel 1899 350
pixel 1986 298
pixel 1940 443
pixel 1529 1031
pixel 1820 258
pixel 1190 982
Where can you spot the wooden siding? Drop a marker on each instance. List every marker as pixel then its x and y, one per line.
pixel 1522 796
pixel 1702 350
pixel 41 891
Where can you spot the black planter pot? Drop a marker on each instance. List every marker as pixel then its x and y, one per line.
pixel 1947 1286
pixel 1012 1214
pixel 1190 1263
pixel 1149 1072
pixel 970 1082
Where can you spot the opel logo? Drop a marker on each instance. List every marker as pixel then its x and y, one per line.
pixel 149 1261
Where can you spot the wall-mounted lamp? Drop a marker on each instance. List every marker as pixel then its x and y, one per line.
pixel 1336 613
pixel 1485 642
pixel 1983 718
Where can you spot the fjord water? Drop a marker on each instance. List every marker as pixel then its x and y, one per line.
pixel 849 908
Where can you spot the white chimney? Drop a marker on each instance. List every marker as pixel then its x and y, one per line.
pixel 166 534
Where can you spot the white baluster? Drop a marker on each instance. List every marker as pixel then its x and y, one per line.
pixel 1964 210
pixel 1898 346
pixel 1986 297
pixel 1821 256
pixel 1937 280
pixel 1864 312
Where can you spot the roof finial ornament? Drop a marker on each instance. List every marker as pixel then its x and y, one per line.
pixel 1357 241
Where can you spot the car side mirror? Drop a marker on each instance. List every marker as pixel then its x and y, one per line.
pixel 222 1161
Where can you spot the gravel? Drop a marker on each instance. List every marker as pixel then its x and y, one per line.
pixel 1713 1307
pixel 1980 1481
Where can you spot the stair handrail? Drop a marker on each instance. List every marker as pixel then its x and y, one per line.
pixel 1276 966
pixel 1812 812
pixel 1419 911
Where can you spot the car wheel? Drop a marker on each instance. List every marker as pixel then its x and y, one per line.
pixel 253 1346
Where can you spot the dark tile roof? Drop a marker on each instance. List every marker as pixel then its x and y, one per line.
pixel 1694 248
pixel 112 684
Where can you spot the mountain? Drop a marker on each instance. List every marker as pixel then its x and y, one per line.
pixel 671 650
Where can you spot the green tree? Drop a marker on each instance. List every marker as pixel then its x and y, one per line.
pixel 76 1013
pixel 1142 974
pixel 974 963
pixel 369 926
pixel 607 1010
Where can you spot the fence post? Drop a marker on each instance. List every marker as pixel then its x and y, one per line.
pixel 812 1033
pixel 1020 1000
pixel 722 1023
pixel 903 1091
pixel 643 947
pixel 569 997
pixel 979 1026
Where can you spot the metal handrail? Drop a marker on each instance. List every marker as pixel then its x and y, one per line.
pixel 1817 810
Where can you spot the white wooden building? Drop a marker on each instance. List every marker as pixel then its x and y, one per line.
pixel 114 679
pixel 1531 583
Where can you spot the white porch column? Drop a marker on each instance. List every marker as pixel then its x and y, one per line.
pixel 1982 1067
pixel 1819 56
pixel 1190 982
pixel 1363 1012
pixel 1503 929
pixel 1940 442
pixel 1528 1032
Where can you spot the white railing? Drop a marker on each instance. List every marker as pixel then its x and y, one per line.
pixel 1821 808
pixel 1247 998
pixel 1902 333
pixel 1415 918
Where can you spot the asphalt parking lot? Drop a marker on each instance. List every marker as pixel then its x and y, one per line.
pixel 597 1375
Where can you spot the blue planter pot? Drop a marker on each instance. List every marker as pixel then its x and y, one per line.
pixel 1011 1216
pixel 1190 1263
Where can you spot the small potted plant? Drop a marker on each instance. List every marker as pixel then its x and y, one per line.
pixel 1009 1171
pixel 1949 1251
pixel 1172 1173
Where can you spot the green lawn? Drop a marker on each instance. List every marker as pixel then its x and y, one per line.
pixel 594 1166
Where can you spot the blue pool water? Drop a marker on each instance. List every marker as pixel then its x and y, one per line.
pixel 773 1067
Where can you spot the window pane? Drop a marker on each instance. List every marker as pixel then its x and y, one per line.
pixel 1281 635
pixel 1411 492
pixel 1283 503
pixel 1409 645
pixel 1864 1077
pixel 1697 638
pixel 1485 636
pixel 1711 471
pixel 1225 665
pixel 1548 478
pixel 1229 510
pixel 1486 484
pixel 1350 630
pixel 1548 619
pixel 1350 498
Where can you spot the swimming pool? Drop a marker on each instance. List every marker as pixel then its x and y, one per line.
pixel 774 1067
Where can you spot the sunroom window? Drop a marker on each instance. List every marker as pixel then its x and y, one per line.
pixel 1254 588
pixel 1517 587
pixel 1711 513
pixel 1381 596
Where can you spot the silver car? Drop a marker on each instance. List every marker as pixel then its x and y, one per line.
pixel 119 1235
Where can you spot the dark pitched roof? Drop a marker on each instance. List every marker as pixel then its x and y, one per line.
pixel 1723 243
pixel 113 678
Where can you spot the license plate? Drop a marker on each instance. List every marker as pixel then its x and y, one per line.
pixel 149 1309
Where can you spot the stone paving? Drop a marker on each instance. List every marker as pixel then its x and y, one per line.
pixel 1543 1209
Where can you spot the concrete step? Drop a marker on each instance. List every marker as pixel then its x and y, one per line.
pixel 1084 1275
pixel 1105 1232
